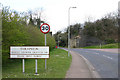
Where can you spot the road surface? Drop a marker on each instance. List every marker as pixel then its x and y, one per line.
pixel 105 63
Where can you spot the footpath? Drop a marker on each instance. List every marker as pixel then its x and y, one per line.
pixel 81 68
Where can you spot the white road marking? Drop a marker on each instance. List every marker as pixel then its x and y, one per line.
pixel 96 53
pixel 107 57
pixel 87 51
pixel 92 52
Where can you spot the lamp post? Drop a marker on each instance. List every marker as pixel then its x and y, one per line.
pixel 69 29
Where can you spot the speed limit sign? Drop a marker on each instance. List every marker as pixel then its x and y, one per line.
pixel 44 28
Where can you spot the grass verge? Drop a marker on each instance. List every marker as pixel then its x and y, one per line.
pixel 57 66
pixel 115 45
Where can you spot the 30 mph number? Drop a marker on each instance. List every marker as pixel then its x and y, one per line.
pixel 45 28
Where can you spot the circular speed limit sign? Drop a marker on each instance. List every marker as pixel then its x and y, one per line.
pixel 44 28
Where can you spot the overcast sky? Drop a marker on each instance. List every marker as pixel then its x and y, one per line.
pixel 55 12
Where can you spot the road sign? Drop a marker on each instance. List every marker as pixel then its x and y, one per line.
pixel 33 52
pixel 44 28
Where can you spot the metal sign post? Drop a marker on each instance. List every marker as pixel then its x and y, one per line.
pixel 36 66
pixel 23 66
pixel 45 59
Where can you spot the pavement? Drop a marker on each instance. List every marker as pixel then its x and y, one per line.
pixel 81 67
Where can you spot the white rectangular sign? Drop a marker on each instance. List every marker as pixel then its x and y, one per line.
pixel 29 52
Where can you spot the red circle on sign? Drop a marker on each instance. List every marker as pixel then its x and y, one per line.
pixel 42 30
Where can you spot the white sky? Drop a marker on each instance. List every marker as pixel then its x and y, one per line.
pixel 55 12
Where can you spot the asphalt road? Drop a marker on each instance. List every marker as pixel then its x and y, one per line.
pixel 105 63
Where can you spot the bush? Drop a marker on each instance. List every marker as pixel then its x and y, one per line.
pixel 109 41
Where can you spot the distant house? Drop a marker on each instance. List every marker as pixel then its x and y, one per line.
pixel 83 40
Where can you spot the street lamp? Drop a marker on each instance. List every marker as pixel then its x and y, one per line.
pixel 69 29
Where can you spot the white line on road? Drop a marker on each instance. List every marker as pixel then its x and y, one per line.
pixel 87 51
pixel 92 52
pixel 96 53
pixel 107 57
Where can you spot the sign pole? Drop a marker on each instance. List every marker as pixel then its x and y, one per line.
pixel 45 59
pixel 45 28
pixel 36 66
pixel 23 66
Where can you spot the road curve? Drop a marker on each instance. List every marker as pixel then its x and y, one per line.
pixel 105 63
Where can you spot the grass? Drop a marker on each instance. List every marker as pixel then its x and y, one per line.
pixel 57 66
pixel 0 64
pixel 114 45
